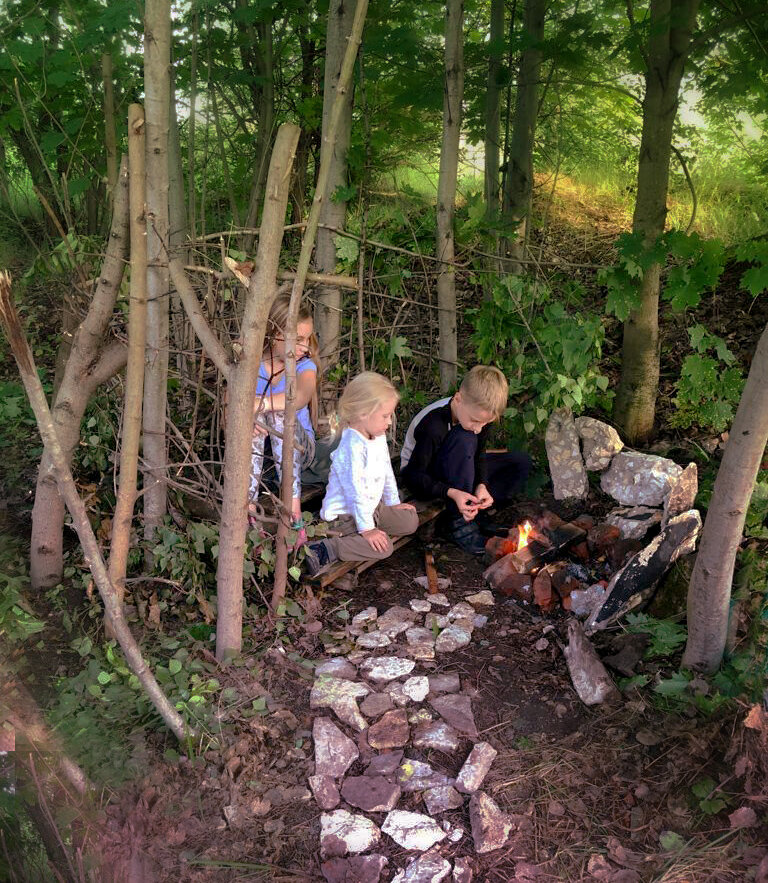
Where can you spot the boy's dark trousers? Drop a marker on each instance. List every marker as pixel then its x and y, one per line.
pixel 454 464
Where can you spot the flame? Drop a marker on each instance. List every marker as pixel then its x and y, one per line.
pixel 524 530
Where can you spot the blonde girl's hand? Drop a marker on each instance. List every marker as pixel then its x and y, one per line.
pixel 376 539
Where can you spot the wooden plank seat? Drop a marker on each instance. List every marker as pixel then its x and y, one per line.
pixel 427 512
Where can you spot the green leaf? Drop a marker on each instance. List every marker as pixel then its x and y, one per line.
pixel 294 572
pixel 755 280
pixel 174 666
pixel 104 677
pixel 671 842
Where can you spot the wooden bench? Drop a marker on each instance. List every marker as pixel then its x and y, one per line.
pixel 427 512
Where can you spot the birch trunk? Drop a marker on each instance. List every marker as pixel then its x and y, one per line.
pixel 333 212
pixel 90 363
pixel 157 60
pixel 709 592
pixel 134 379
pixel 241 390
pixel 671 27
pixel 446 192
pixel 519 178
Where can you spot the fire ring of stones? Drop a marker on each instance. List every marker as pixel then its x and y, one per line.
pixel 379 713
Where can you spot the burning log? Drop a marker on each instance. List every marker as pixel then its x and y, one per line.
pixel 535 548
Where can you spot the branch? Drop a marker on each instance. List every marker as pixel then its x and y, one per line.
pixel 695 203
pixel 220 356
pixel 112 360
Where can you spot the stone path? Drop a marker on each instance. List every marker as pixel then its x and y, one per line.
pixel 387 709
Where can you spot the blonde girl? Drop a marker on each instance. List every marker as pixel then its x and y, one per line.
pixel 269 404
pixel 362 502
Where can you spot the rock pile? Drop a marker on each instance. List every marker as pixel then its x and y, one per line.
pixel 394 712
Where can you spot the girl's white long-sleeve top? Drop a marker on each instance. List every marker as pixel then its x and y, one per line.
pixel 361 477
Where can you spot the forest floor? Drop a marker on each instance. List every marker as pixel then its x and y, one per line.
pixel 607 793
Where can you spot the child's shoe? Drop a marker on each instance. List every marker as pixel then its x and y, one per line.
pixel 318 557
pixel 467 536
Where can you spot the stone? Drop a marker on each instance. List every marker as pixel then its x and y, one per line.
pixel 481 599
pixel 421 651
pixel 445 683
pixel 396 620
pixel 475 767
pixel 373 640
pixel 412 830
pixel 416 687
pixel 505 580
pixel 362 620
pixel 436 621
pixel 415 775
pixel 639 479
pixel 681 494
pixel 340 695
pixel 480 621
pixel 338 667
pixel 599 442
pixel 342 832
pixel 334 752
pixel 428 868
pixel 420 605
pixel 370 793
pixel 419 635
pixel 386 668
pixel 457 711
pixel 462 610
pixel 583 601
pixel 392 731
pixel 442 799
pixel 375 704
pixel 420 716
pixel 443 583
pixel 462 870
pixel 633 522
pixel 490 826
pixel 384 764
pixel 436 734
pixel 325 792
pixel 395 691
pixel 453 638
pixel 569 477
pixel 438 600
pixel 358 869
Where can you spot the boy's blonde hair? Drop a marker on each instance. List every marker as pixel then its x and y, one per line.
pixel 363 394
pixel 485 387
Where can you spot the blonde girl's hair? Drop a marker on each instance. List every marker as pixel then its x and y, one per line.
pixel 276 325
pixel 363 394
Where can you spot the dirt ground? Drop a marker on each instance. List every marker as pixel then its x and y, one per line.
pixel 596 793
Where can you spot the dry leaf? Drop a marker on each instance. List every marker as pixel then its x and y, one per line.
pixel 743 817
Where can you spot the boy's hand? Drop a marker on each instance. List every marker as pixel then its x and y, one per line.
pixel 484 499
pixel 376 538
pixel 465 502
pixel 404 506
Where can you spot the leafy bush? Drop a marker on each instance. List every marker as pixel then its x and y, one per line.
pixel 548 352
pixel 17 619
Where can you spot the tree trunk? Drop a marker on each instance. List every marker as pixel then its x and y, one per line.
pixel 333 212
pixel 671 27
pixel 709 592
pixel 134 379
pixel 241 390
pixel 157 60
pixel 519 178
pixel 303 152
pixel 446 192
pixel 88 366
pixel 110 135
pixel 492 104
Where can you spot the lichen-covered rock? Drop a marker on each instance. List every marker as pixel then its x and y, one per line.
pixel 569 477
pixel 445 683
pixel 462 870
pixel 415 775
pixel 436 734
pixel 420 605
pixel 490 826
pixel 441 799
pixel 334 752
pixel 428 868
pixel 362 620
pixel 633 522
pixel 453 638
pixel 462 610
pixel 395 620
pixel 342 832
pixel 325 791
pixel 373 640
pixel 375 704
pixel 483 598
pixel 599 442
pixel 456 709
pixel 384 764
pixel 386 668
pixel 338 667
pixel 340 696
pixel 417 687
pixel 358 869
pixel 412 830
pixel 639 479
pixel 475 767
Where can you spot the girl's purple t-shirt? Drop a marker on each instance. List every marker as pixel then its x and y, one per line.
pixel 263 386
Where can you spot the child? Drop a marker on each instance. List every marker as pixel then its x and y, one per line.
pixel 362 503
pixel 444 456
pixel 269 405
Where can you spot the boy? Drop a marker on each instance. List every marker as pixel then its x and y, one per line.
pixel 444 456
